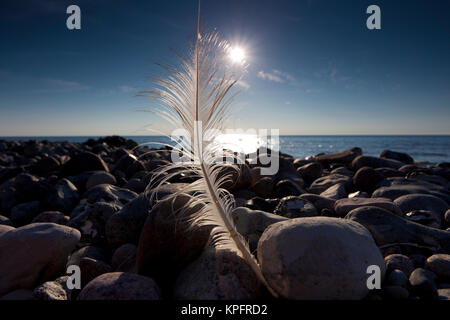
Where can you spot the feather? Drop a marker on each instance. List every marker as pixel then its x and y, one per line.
pixel 196 97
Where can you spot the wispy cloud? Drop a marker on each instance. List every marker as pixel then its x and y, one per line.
pixel 243 84
pixel 269 76
pixel 59 85
pixel 127 89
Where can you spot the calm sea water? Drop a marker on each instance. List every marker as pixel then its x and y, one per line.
pixel 422 148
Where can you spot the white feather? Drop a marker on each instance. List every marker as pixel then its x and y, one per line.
pixel 196 97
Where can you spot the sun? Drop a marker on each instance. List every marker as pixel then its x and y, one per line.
pixel 237 54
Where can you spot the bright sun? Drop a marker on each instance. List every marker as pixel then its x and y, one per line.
pixel 237 54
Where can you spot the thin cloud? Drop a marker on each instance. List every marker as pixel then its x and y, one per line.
pixel 127 89
pixel 269 76
pixel 278 76
pixel 243 84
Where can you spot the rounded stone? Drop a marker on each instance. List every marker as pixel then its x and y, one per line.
pixel 318 258
pixel 120 286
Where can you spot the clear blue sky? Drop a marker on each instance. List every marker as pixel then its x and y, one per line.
pixel 314 67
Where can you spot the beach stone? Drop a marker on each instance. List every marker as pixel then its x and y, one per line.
pixel 252 223
pixel 92 252
pixel 91 222
pixel 411 202
pixel 400 262
pixel 49 291
pixel 263 187
pixel 5 228
pixel 63 197
pixel 218 274
pixel 399 156
pixel 84 161
pixel 407 168
pixel 100 177
pixel 318 201
pixel 344 206
pixel 135 185
pixel 397 277
pixel 423 283
pixel 109 193
pixel 129 164
pixel 389 172
pixel 24 213
pixel 443 294
pixel 344 171
pixel 387 229
pixel 258 203
pixel 45 165
pixel 337 191
pixel 318 258
pixel 418 260
pixel 124 258
pixel 295 207
pixel 374 162
pixel 366 179
pixel 310 172
pixel 8 199
pixel 35 252
pixel 120 286
pixel 439 264
pixel 345 157
pixel 397 187
pixel 52 216
pixel 125 226
pixel 323 183
pixel 91 269
pixel 18 295
pixel 396 292
pixel 5 221
pixel 358 194
pixel 167 244
pixel 425 217
pixel 285 188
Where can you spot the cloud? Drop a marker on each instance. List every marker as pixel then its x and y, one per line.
pixel 269 76
pixel 58 85
pixel 243 84
pixel 127 89
pixel 278 76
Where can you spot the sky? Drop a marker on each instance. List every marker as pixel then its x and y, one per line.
pixel 314 68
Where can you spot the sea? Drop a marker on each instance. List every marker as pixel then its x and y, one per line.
pixel 423 148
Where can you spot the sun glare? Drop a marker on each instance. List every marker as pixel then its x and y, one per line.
pixel 237 54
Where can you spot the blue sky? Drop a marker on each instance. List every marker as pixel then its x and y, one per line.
pixel 314 67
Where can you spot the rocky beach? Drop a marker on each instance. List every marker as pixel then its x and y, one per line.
pixel 315 227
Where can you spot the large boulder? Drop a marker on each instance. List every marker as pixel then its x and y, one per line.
pixel 168 241
pixel 318 258
pixel 120 286
pixel 84 161
pixel 34 253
